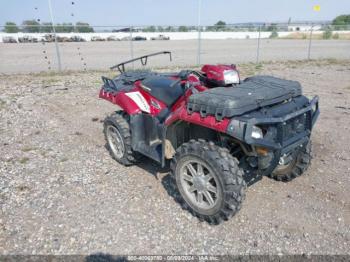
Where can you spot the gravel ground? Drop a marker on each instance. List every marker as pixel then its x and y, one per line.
pixel 36 57
pixel 61 193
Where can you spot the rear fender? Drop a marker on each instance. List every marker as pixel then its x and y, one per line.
pixel 122 100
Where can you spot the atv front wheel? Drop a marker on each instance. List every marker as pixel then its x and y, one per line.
pixel 296 167
pixel 209 181
pixel 118 137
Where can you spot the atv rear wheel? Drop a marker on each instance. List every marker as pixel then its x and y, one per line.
pixel 209 181
pixel 118 138
pixel 296 167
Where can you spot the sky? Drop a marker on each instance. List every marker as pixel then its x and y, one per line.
pixel 170 12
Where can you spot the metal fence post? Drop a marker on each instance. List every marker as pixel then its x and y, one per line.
pixel 199 32
pixel 54 33
pixel 309 49
pixel 131 46
pixel 258 47
pixel 199 47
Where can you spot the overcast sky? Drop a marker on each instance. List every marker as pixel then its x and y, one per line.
pixel 171 12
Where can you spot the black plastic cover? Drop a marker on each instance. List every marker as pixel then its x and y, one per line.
pixel 164 89
pixel 126 80
pixel 253 93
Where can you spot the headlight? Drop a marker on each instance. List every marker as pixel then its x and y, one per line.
pixel 257 132
pixel 231 77
pixel 314 108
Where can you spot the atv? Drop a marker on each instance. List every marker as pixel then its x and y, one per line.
pixel 215 129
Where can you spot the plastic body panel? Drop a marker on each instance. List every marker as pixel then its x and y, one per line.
pixel 215 73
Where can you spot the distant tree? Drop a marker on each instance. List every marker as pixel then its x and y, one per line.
pixel 46 27
pixel 160 29
pixel 82 27
pixel 11 27
pixel 263 28
pixel 169 29
pixel 220 26
pixel 252 28
pixel 30 26
pixel 183 28
pixel 65 28
pixel 327 33
pixel 341 22
pixel 274 34
pixel 272 27
pixel 150 29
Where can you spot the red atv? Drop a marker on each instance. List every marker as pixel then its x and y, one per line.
pixel 215 128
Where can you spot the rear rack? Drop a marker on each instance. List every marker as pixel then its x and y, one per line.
pixel 109 83
pixel 143 59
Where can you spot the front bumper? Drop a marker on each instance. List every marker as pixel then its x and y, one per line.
pixel 280 144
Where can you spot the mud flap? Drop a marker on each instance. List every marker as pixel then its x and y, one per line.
pixel 148 136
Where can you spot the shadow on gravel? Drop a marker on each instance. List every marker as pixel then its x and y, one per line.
pixel 153 167
pixel 100 257
pixel 251 178
pixel 169 182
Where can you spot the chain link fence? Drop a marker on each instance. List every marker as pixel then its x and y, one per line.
pixel 66 47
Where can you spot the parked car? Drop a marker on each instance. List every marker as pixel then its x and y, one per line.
pixel 27 39
pixel 9 39
pixel 125 38
pixel 63 39
pixel 48 38
pixel 76 38
pixel 97 39
pixel 160 37
pixel 139 38
pixel 112 38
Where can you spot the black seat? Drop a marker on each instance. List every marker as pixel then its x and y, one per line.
pixel 164 89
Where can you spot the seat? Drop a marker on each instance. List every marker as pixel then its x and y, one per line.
pixel 164 89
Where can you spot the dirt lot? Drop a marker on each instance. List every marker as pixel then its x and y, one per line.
pixel 36 57
pixel 61 193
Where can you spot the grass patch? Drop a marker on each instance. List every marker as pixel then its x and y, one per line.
pixel 22 188
pixel 28 149
pixel 332 61
pixel 314 62
pixel 250 67
pixel 23 160
pixel 64 159
pixel 2 104
pixel 326 35
pixel 44 154
pixel 50 81
pixel 8 160
pixel 259 66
